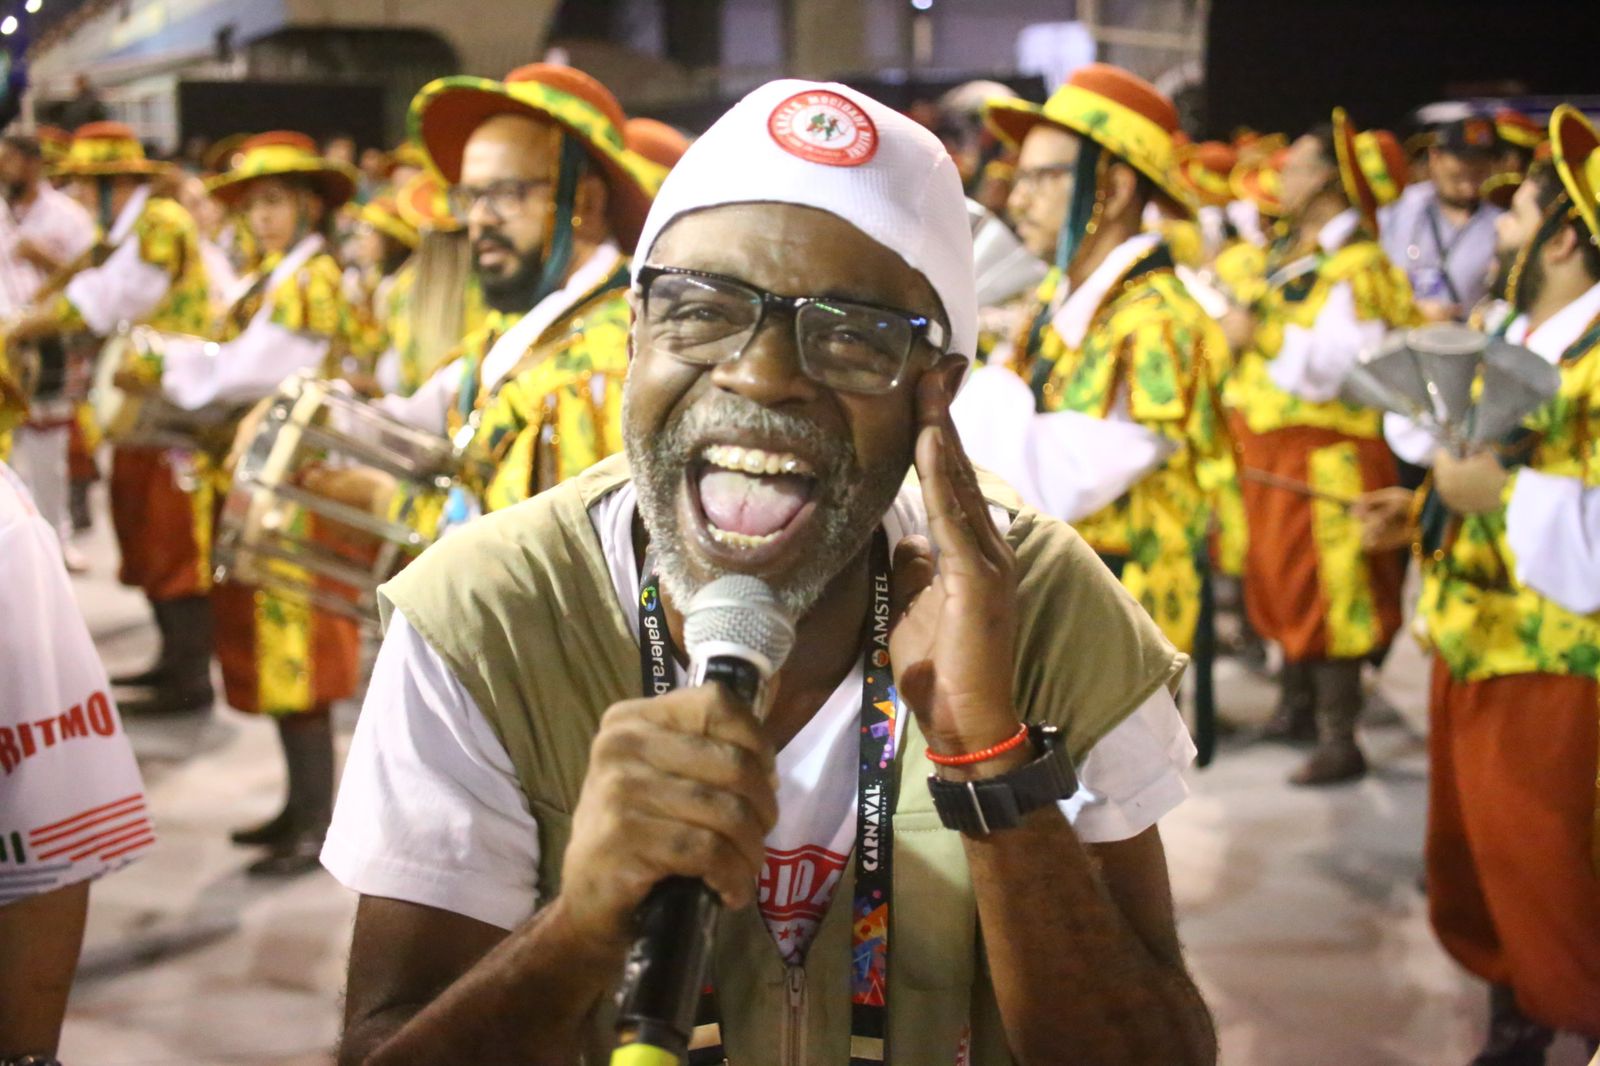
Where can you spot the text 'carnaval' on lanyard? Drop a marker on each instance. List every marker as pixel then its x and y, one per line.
pixel 875 800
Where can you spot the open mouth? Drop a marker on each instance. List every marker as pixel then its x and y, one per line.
pixel 752 498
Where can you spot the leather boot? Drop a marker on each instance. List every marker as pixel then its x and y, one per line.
pixel 157 671
pixel 296 843
pixel 1514 1039
pixel 1337 758
pixel 78 506
pixel 183 684
pixel 1294 721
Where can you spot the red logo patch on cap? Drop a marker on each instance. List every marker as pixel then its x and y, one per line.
pixel 823 127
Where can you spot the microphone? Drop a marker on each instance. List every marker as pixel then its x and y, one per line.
pixel 736 636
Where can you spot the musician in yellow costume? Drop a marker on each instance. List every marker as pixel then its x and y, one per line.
pixel 1305 455
pixel 553 202
pixel 434 299
pixel 145 268
pixel 377 280
pixel 1122 362
pixel 1511 602
pixel 280 656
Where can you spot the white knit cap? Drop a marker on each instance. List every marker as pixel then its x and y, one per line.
pixel 827 146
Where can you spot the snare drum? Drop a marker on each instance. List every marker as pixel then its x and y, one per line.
pixel 149 418
pixel 280 527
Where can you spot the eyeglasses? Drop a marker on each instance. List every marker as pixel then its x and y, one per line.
pixel 709 319
pixel 1032 176
pixel 507 198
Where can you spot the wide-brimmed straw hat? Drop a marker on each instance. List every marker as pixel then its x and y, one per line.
pixel 1372 166
pixel 1118 110
pixel 283 154
pixel 1573 144
pixel 383 214
pixel 1204 168
pixel 106 149
pixel 446 112
pixel 424 204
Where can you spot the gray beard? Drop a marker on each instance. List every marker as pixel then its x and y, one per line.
pixel 851 502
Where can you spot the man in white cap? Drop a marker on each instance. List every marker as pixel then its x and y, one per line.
pixel 804 310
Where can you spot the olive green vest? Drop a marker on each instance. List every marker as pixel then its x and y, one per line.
pixel 521 606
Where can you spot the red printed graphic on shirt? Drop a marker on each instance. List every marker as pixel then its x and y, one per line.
pixel 795 889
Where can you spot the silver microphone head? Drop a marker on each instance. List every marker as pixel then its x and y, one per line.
pixel 738 613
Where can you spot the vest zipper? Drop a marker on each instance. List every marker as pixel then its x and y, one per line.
pixel 794 1029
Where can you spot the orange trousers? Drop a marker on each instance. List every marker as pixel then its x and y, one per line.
pixel 1512 887
pixel 279 654
pixel 163 527
pixel 1318 598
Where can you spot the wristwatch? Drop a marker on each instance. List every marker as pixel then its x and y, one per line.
pixel 979 808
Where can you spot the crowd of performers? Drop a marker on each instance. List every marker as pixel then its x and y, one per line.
pixel 1173 388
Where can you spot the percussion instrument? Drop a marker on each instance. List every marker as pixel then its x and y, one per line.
pixel 149 418
pixel 1466 388
pixel 1002 267
pixel 309 509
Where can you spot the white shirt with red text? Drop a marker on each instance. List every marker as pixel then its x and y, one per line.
pixel 430 810
pixel 71 802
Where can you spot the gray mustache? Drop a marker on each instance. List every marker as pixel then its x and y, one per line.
pixel 731 413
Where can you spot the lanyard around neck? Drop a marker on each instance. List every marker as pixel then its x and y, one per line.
pixel 875 801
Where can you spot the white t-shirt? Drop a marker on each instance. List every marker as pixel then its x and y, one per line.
pixel 54 223
pixel 71 803
pixel 430 810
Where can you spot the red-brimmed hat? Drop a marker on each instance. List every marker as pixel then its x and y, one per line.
pixel 1120 111
pixel 658 142
pixel 1204 170
pixel 446 112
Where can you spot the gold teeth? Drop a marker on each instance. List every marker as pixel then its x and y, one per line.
pixel 755 460
pixel 743 541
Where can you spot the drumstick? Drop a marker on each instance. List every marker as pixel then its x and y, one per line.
pixel 1287 484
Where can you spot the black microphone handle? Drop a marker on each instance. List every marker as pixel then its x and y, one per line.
pixel 666 967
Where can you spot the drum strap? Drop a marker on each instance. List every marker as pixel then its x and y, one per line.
pixel 875 803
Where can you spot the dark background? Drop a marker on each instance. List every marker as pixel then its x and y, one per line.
pixel 1279 64
pixel 216 109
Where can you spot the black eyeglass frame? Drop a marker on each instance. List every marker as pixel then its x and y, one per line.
pixel 927 330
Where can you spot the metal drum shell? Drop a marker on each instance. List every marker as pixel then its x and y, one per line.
pixel 277 533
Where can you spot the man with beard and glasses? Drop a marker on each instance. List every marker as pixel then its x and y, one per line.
pixel 1511 601
pixel 1122 421
pixel 553 202
pixel 1440 231
pixel 804 313
pixel 1309 584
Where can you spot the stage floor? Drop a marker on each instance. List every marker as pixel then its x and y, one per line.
pixel 1301 911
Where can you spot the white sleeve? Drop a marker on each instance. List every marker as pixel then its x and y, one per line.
pixel 243 370
pixel 429 807
pixel 429 407
pixel 1553 527
pixel 1408 440
pixel 124 288
pixel 1134 776
pixel 1078 464
pixel 1065 464
pixel 72 806
pixel 1312 363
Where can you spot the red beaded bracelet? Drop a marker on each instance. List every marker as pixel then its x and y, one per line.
pixel 984 754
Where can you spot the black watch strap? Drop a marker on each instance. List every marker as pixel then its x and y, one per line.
pixel 978 808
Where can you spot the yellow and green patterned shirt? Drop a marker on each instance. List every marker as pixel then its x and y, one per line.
pixel 1382 294
pixel 170 241
pixel 558 413
pixel 1480 619
pixel 1151 346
